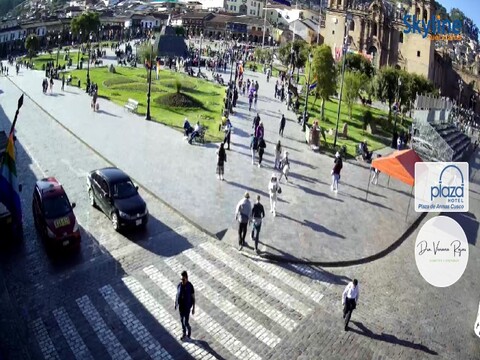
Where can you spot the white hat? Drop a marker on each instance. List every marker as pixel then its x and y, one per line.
pixel 337 154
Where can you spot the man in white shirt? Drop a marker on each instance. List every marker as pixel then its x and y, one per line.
pixel 350 300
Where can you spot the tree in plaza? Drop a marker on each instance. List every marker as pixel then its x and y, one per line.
pixel 300 51
pixel 264 56
pixel 354 82
pixel 32 44
pixel 357 62
pixel 413 84
pixel 147 52
pixel 386 84
pixel 325 74
pixel 86 23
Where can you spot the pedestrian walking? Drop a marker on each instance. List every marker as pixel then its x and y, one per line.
pixel 63 82
pixel 273 189
pixel 185 300
pixel 283 121
pixel 258 213
pixel 250 101
pixel 242 214
pixel 253 146
pixel 276 90
pixel 94 100
pixel 221 160
pixel 278 154
pixel 350 300
pixel 256 122
pixel 284 166
pixel 337 167
pixel 261 149
pixel 260 131
pixel 228 132
pixel 375 173
pixel 51 85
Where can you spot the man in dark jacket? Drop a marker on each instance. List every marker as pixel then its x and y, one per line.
pixel 283 121
pixel 185 301
pixel 258 213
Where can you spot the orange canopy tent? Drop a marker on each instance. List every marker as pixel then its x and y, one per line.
pixel 399 165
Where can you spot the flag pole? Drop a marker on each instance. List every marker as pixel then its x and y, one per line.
pixel 19 105
pixel 264 23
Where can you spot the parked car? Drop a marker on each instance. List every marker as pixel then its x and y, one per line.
pixel 53 214
pixel 115 194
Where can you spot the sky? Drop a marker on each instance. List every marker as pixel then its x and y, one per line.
pixel 470 8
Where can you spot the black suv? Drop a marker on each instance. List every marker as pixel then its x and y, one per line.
pixel 115 194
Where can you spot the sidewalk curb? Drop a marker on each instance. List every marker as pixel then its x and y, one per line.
pixel 346 263
pixel 144 188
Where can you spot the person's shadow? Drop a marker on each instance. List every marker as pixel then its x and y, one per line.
pixel 389 338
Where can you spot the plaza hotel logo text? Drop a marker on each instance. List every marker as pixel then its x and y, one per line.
pixel 435 28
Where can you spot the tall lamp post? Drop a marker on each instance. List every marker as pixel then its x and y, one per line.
pixel 78 53
pixel 88 62
pixel 200 53
pixel 58 48
pixel 397 109
pixel 305 111
pixel 460 88
pixel 149 117
pixel 344 53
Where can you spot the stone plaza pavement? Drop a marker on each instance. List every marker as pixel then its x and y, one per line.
pixel 312 223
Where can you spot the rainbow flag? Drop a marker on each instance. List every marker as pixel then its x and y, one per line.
pixel 9 190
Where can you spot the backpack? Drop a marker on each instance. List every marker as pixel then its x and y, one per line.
pixel 242 218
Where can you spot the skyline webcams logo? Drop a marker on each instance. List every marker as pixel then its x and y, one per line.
pixel 435 28
pixel 441 187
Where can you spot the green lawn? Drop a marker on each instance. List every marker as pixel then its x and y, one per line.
pixel 381 138
pixel 132 83
pixel 45 58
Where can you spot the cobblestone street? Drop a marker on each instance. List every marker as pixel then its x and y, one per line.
pixel 115 298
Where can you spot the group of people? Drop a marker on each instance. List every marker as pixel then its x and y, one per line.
pixel 191 133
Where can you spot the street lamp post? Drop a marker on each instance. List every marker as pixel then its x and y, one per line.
pixel 397 109
pixel 305 111
pixel 78 53
pixel 58 48
pixel 200 53
pixel 149 117
pixel 344 53
pixel 88 62
pixel 460 88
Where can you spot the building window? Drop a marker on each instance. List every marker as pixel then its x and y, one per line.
pixel 418 53
pixel 401 37
pixel 374 29
pixel 252 3
pixel 333 32
pixel 352 25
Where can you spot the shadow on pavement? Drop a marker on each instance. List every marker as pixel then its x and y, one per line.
pixel 106 113
pixel 370 202
pixel 392 339
pixel 158 238
pixel 254 191
pixel 317 193
pixel 364 190
pixel 314 226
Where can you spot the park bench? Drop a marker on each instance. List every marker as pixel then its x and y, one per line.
pixel 131 105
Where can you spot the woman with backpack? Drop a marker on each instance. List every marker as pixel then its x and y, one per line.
pixel 273 190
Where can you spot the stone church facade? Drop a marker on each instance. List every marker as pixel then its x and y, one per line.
pixel 376 31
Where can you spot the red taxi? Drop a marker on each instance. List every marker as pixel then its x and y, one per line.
pixel 53 213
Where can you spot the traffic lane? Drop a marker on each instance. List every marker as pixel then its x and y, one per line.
pixel 59 154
